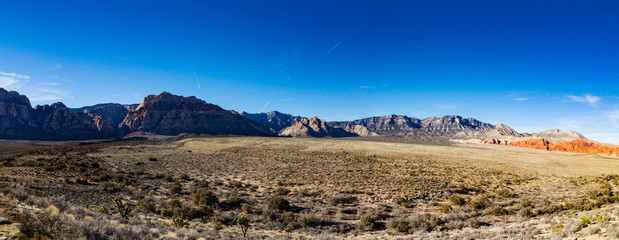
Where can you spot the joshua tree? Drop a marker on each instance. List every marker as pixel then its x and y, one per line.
pixel 243 222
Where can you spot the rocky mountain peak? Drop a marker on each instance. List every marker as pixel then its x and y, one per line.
pixel 172 114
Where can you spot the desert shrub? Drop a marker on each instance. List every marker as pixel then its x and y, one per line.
pixel 175 188
pixel 525 203
pixel 480 204
pixel 152 159
pixel 402 201
pixel 445 208
pixel 278 203
pixel 180 222
pixel 497 211
pixel 457 200
pixel 526 212
pixel 426 222
pixel 122 208
pixel 585 221
pixel 246 208
pixel 282 191
pixel 202 196
pixel 234 200
pixel 223 220
pixel 342 199
pixel 147 205
pixel 506 193
pixel 400 224
pixel 455 221
pixel 313 221
pixel 369 220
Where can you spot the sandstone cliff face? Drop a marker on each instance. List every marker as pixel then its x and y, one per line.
pixel 535 142
pixel 576 145
pixel 359 130
pixel 170 114
pixel 314 127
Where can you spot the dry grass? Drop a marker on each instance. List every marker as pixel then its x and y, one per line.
pixel 334 187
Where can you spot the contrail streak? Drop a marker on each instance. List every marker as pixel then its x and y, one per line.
pixel 265 105
pixel 327 52
pixel 196 77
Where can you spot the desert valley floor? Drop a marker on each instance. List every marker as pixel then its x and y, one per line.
pixel 303 188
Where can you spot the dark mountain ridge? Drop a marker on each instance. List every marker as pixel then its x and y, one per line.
pixel 169 114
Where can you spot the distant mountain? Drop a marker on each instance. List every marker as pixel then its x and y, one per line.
pixel 434 128
pixel 18 120
pixel 114 111
pixel 171 114
pixel 275 120
pixel 389 125
pixel 315 127
pixel 558 136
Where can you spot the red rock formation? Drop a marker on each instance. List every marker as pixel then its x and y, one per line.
pixel 576 146
pixel 537 143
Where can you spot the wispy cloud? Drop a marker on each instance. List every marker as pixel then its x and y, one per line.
pixel 8 79
pixel 265 105
pixel 522 99
pixel 15 75
pixel 48 94
pixel 367 87
pixel 328 51
pixel 587 98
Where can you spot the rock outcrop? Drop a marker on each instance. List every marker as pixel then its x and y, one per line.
pixel 314 127
pixel 18 120
pixel 275 120
pixel 390 125
pixel 57 122
pixel 15 115
pixel 575 146
pixel 360 130
pixel 113 111
pixel 171 114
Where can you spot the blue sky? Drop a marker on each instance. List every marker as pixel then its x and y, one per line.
pixel 533 65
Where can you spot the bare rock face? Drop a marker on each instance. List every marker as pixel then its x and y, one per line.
pixel 359 130
pixel 171 114
pixel 389 125
pixel 15 115
pixel 56 122
pixel 114 111
pixel 452 124
pixel 314 127
pixel 16 106
pixel 534 142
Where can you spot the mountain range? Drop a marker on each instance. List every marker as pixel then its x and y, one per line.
pixel 169 114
